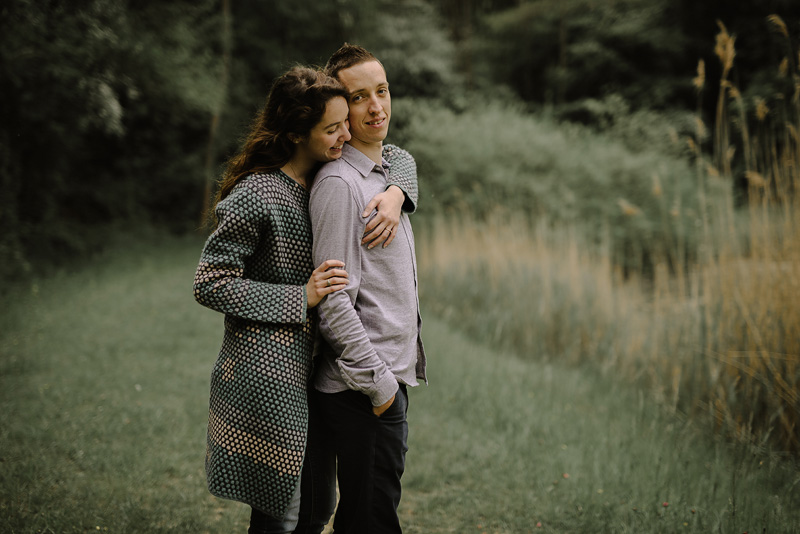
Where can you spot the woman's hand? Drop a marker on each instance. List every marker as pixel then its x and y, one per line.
pixel 383 227
pixel 325 279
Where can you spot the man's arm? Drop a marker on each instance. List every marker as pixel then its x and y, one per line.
pixel 337 225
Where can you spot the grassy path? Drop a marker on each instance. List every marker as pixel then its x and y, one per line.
pixel 103 395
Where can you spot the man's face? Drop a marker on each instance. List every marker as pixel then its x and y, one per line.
pixel 370 103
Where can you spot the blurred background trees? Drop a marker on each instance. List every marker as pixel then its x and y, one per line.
pixel 118 114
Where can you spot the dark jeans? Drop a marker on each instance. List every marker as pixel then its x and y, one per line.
pixel 371 453
pixel 315 500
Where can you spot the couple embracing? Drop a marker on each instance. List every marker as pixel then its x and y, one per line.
pixel 310 385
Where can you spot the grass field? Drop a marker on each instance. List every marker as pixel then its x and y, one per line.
pixel 103 395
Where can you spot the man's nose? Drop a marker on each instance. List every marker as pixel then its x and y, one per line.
pixel 374 105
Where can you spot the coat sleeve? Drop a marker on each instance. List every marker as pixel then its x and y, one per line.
pixel 403 174
pixel 336 220
pixel 221 281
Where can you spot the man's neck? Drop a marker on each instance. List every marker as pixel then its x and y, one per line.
pixel 373 151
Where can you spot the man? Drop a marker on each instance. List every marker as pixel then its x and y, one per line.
pixel 373 349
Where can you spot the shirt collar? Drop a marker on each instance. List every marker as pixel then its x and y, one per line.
pixel 359 161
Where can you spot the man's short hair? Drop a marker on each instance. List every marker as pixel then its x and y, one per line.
pixel 348 56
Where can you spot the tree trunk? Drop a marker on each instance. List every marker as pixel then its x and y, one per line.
pixel 211 152
pixel 561 89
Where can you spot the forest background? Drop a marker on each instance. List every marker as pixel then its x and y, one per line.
pixel 122 112
pixel 608 239
pixel 621 174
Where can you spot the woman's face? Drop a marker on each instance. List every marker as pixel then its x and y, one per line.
pixel 324 142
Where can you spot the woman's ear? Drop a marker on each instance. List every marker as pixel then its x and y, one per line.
pixel 294 138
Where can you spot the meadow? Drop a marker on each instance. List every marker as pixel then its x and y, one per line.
pixel 626 360
pixel 104 373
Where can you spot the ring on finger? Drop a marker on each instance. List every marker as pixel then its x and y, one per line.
pixel 329 282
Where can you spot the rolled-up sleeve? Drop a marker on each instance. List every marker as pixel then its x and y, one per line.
pixel 337 225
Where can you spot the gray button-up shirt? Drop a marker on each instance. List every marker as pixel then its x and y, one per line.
pixel 371 328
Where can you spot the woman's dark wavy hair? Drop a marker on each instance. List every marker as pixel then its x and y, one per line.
pixel 296 103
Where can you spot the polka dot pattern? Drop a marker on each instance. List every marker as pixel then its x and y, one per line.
pixel 254 268
pixel 402 172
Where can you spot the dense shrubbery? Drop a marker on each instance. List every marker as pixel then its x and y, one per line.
pixel 493 156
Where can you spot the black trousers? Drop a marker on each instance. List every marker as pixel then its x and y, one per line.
pixel 370 453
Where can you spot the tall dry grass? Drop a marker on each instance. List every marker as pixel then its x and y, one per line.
pixel 751 284
pixel 715 335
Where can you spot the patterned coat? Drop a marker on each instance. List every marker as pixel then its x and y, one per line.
pixel 254 268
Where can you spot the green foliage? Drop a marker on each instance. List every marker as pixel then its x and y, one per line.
pixel 104 104
pixel 563 51
pixel 270 37
pixel 407 37
pixel 107 105
pixel 639 130
pixel 497 156
pixel 273 36
pixel 558 51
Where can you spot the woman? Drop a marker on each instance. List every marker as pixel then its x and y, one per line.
pixel 256 269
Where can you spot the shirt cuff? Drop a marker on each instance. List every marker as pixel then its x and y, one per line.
pixel 384 390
